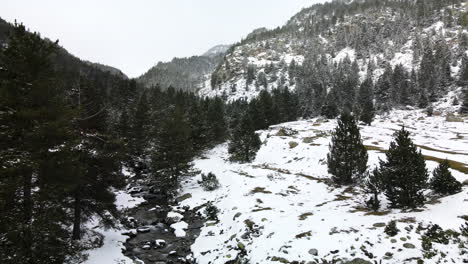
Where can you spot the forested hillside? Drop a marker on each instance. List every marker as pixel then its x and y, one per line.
pixel 402 52
pixel 186 74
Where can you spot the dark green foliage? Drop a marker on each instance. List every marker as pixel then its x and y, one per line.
pixel 443 181
pixel 374 187
pixel 404 173
pixel 173 150
pixel 209 182
pixel 347 160
pixel 35 119
pixel 250 74
pixel 391 229
pixel 366 102
pixel 437 235
pixel 464 230
pixel 464 106
pixel 244 142
pixel 211 211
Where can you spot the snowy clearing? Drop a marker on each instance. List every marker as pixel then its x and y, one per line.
pixel 282 207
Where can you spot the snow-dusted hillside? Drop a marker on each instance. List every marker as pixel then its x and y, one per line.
pixel 374 37
pixel 283 208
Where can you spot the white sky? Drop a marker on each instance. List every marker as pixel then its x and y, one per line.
pixel 133 35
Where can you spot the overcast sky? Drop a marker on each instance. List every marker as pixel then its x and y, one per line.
pixel 133 35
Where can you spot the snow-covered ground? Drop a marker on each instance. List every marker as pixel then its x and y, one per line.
pixel 281 207
pixel 111 251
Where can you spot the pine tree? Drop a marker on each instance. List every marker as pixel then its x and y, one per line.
pixel 347 160
pixel 216 120
pixel 35 125
pixel 139 135
pixel 464 106
pixel 329 108
pixel 443 182
pixel 250 74
pixel 404 173
pixel 365 100
pixel 172 151
pixel 374 187
pixel 244 142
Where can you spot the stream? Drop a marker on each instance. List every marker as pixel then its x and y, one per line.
pixel 154 240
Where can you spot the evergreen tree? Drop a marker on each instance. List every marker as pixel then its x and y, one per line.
pixel 347 160
pixel 443 182
pixel 244 142
pixel 173 150
pixel 464 106
pixel 366 102
pixel 216 120
pixel 140 128
pixel 35 125
pixel 250 74
pixel 329 108
pixel 404 173
pixel 374 187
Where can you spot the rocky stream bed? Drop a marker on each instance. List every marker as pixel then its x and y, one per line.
pixel 152 239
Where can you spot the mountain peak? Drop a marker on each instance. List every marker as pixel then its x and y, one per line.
pixel 216 50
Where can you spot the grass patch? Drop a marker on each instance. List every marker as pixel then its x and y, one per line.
pixel 279 259
pixel 408 220
pixel 321 180
pixel 455 165
pixel 260 190
pixel 341 197
pixel 381 213
pixel 303 235
pixel 367 211
pixel 442 151
pixel 242 173
pixel 184 197
pixel 304 216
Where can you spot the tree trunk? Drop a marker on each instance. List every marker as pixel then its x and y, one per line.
pixel 77 218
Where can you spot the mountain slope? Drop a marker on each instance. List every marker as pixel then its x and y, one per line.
pixel 283 208
pixel 318 42
pixel 187 74
pixel 64 58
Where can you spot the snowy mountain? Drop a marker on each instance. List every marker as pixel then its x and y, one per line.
pixel 217 50
pixel 318 41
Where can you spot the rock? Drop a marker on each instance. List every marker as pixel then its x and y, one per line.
pixel 452 118
pixel 293 144
pixel 313 252
pixel 146 247
pixel 408 245
pixel 358 261
pixel 135 190
pixel 159 243
pixel 334 251
pixel 143 229
pixel 130 233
